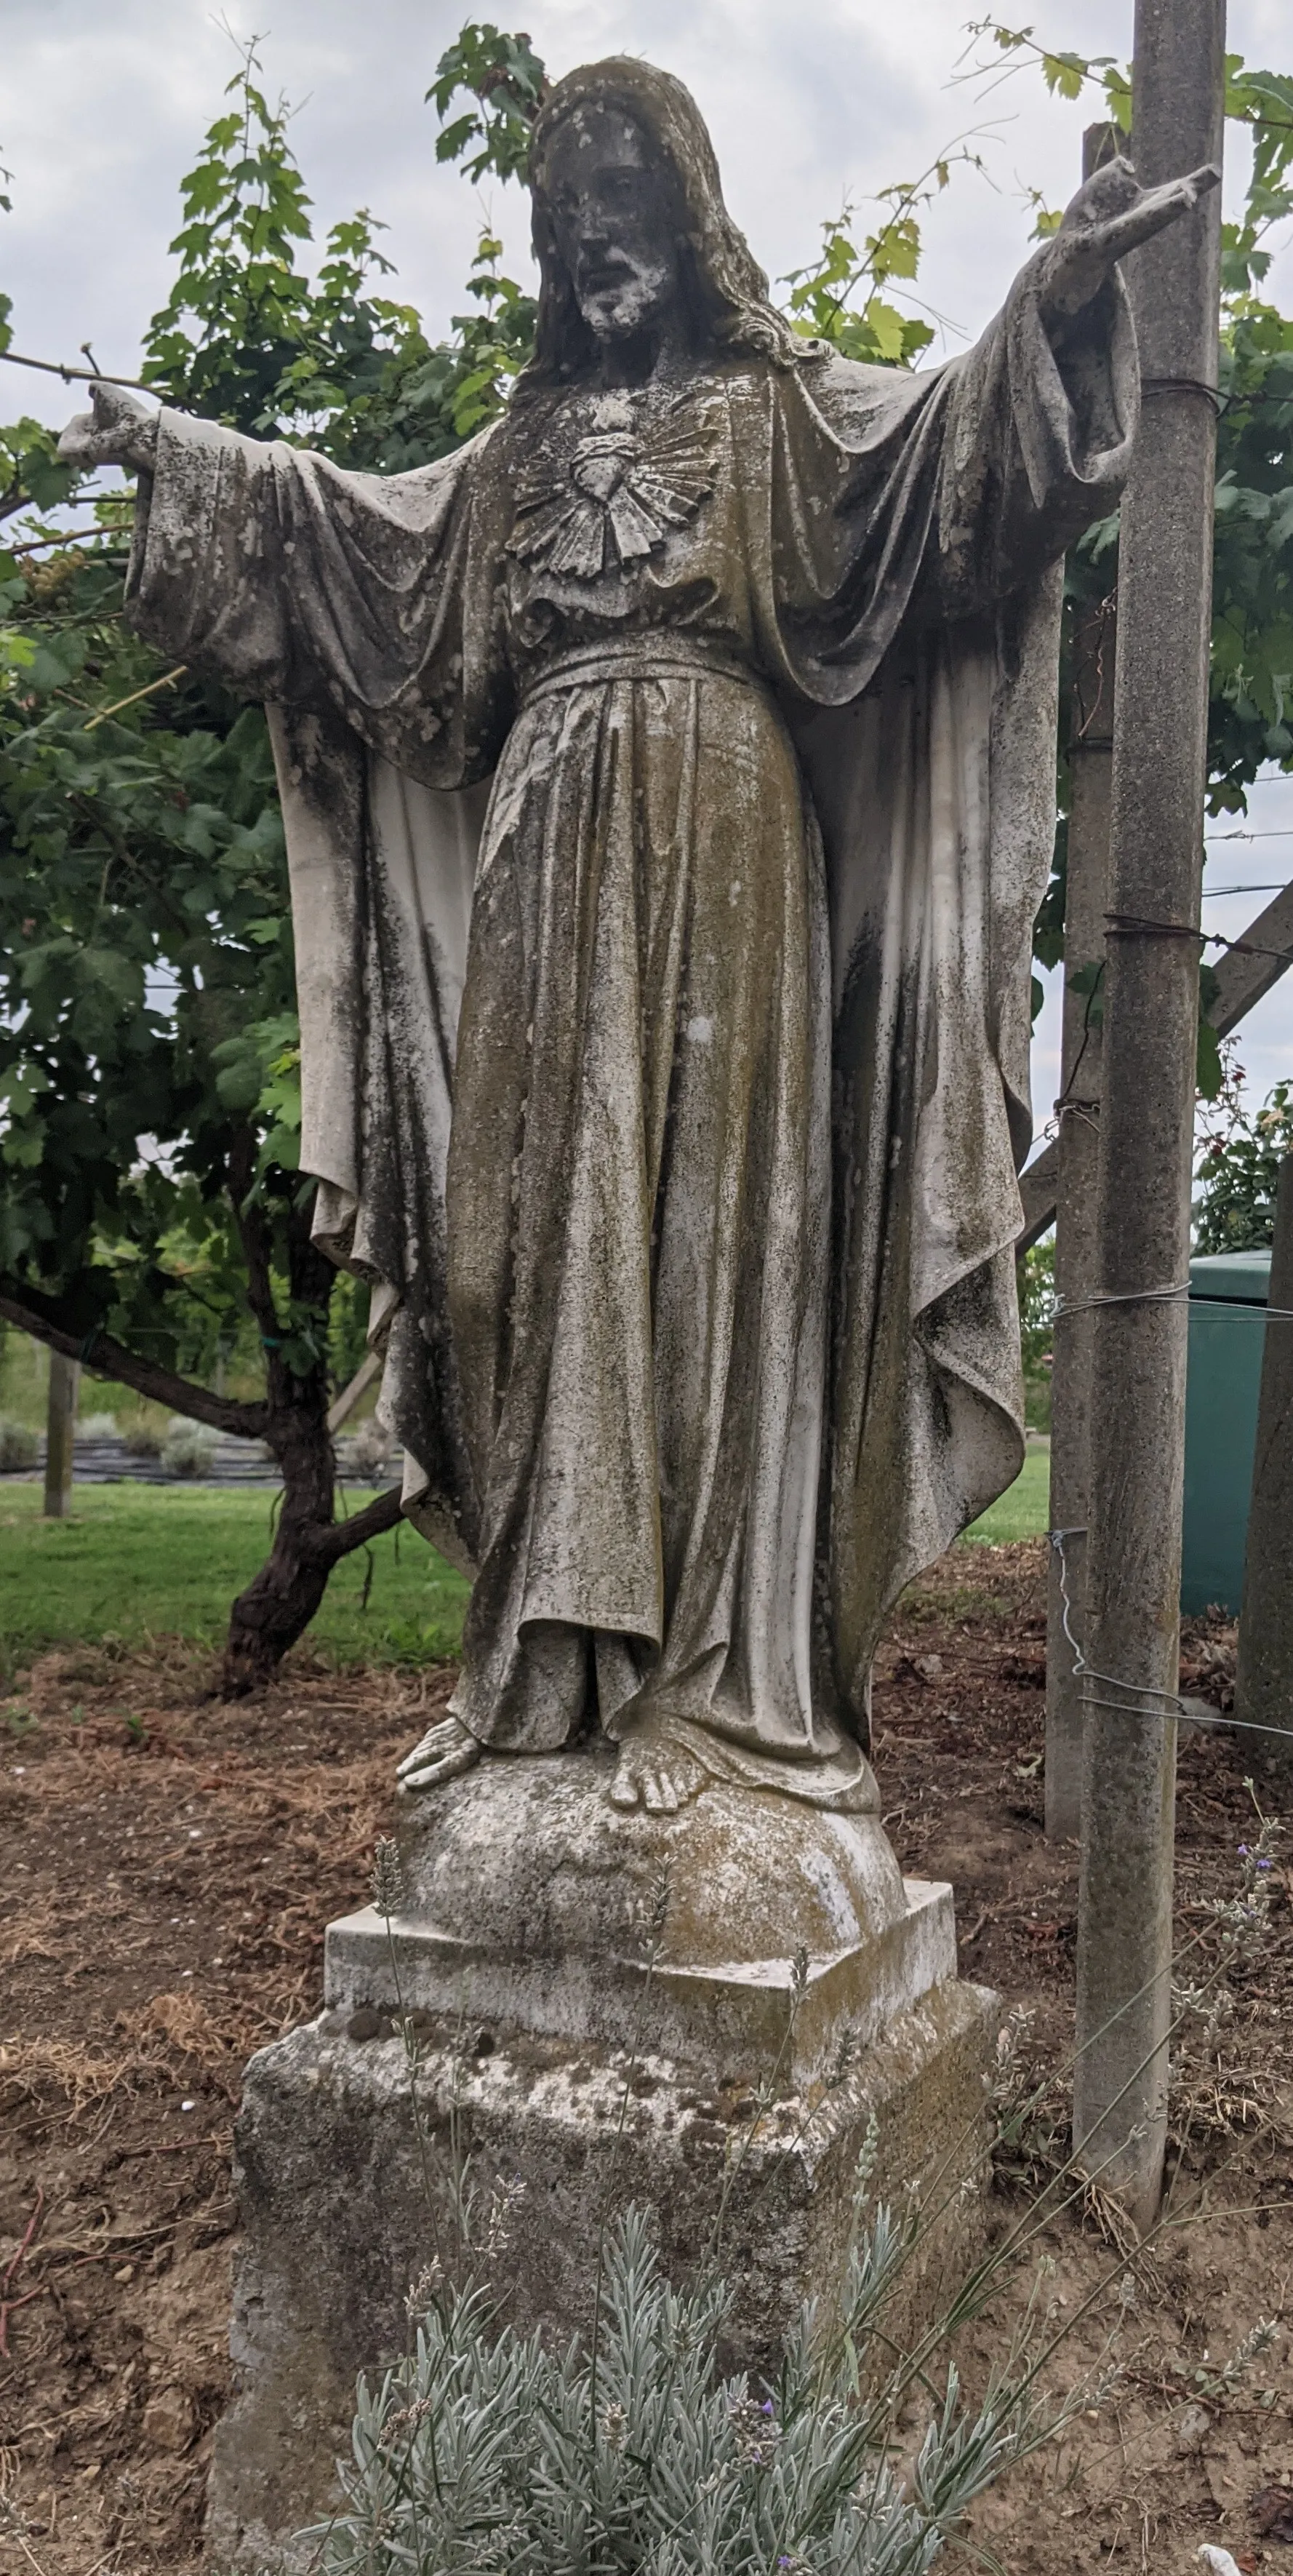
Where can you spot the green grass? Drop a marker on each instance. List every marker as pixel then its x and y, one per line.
pixel 134 1561
pixel 1024 1509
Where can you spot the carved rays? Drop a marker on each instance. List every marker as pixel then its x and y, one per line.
pixel 619 493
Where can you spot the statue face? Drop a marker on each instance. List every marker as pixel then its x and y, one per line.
pixel 615 221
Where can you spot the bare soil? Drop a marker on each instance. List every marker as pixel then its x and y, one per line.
pixel 169 1865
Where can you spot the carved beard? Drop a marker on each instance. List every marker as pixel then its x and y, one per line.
pixel 629 302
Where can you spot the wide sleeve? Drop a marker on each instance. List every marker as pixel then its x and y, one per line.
pixel 904 535
pixel 1037 446
pixel 329 592
pixel 879 502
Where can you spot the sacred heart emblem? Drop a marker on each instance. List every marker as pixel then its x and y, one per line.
pixel 619 493
pixel 599 465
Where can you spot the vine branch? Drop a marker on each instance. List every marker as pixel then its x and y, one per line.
pixel 77 375
pixel 41 1317
pixel 328 1546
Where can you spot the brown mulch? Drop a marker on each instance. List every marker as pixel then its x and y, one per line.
pixel 170 1863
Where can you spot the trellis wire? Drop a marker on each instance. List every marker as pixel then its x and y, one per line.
pixel 1174 1706
pixel 1172 1297
pixel 1123 925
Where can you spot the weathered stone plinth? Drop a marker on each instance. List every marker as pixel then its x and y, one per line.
pixel 526 1891
pixel 520 1950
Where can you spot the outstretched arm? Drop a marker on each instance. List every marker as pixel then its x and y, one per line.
pixel 1044 410
pixel 303 585
pixel 118 431
pixel 1110 216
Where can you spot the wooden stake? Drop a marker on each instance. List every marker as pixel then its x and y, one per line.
pixel 1264 1689
pixel 1147 1118
pixel 64 1386
pixel 1085 901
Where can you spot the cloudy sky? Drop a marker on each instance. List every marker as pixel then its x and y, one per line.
pixel 105 103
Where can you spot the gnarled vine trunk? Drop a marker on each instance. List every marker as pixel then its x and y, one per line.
pixel 292 1419
pixel 282 1598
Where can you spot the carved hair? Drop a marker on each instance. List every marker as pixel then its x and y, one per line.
pixel 728 289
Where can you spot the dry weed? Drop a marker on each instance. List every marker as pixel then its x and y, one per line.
pixel 30 2069
pixel 27 1935
pixel 219 2042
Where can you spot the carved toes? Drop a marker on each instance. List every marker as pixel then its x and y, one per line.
pixel 442 1752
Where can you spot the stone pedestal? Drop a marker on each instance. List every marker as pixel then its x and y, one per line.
pixel 550 2057
pixel 526 1893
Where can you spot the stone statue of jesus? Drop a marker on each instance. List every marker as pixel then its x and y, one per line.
pixel 668 780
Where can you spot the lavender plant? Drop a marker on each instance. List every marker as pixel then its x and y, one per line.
pixel 484 2454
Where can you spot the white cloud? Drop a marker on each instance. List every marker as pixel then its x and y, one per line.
pixel 106 102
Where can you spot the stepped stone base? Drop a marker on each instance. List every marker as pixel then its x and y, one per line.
pixel 336 2222
pixel 519 1951
pixel 720 2013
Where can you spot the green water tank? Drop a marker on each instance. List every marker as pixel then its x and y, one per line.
pixel 1228 1292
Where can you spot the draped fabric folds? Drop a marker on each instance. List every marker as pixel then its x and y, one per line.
pixel 669 788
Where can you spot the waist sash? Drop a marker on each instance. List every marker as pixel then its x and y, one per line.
pixel 656 657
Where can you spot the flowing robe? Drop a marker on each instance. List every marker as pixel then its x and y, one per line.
pixel 668 781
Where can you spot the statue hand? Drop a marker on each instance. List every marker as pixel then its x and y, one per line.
pixel 1109 216
pixel 117 432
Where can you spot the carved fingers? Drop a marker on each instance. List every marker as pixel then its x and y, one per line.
pixel 118 431
pixel 1109 217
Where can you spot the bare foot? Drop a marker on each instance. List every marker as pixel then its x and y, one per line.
pixel 445 1749
pixel 656 1773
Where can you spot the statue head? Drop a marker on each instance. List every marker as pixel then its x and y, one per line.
pixel 630 225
